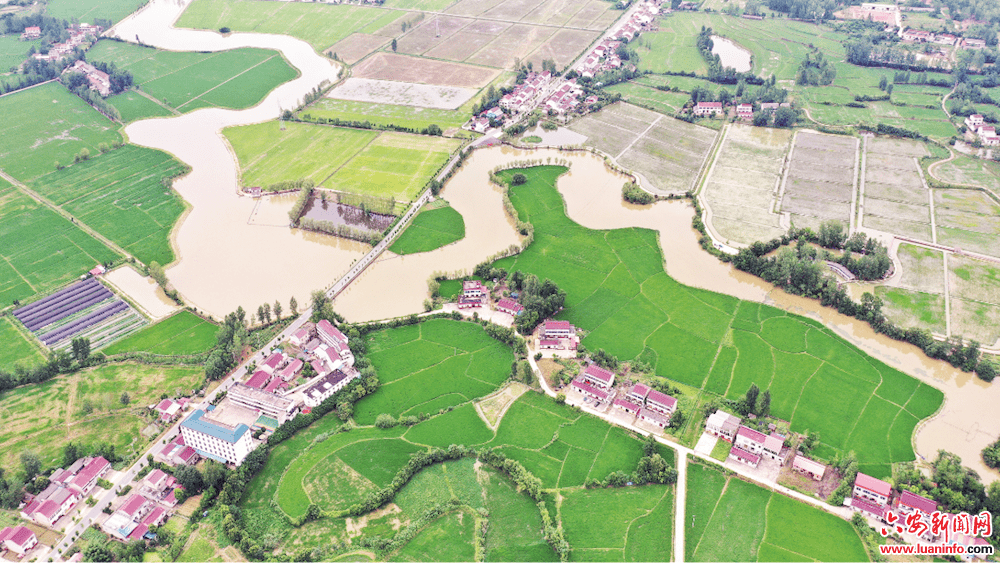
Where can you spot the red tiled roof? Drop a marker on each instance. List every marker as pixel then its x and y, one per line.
pixel 507 303
pixel 291 369
pixel 274 384
pixel 132 505
pixel 154 515
pixel 186 453
pixel 597 372
pixel 655 396
pixel 585 387
pixel 751 434
pixel 869 507
pixel 922 504
pixel 258 380
pixel 301 334
pixel 48 509
pixel 548 342
pixel 640 389
pixel 274 359
pixel 627 405
pixel 19 535
pixel 557 325
pixel 740 453
pixel 324 327
pixel 138 532
pixel 662 418
pixel 710 104
pixel 164 405
pixel 874 485
pixel 155 477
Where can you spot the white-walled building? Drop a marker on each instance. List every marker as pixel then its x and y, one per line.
pixel 327 386
pixel 214 439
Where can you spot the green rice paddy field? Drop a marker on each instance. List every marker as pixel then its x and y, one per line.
pixel 733 520
pixel 13 51
pixel 185 81
pixel 17 349
pixel 125 195
pixel 45 416
pixel 431 229
pixel 387 164
pixel 62 124
pixel 88 10
pixel 179 334
pixel 617 290
pixel 40 249
pixel 558 444
pixel 387 114
pixel 320 25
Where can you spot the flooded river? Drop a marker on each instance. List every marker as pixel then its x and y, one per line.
pixel 234 250
pixel 732 54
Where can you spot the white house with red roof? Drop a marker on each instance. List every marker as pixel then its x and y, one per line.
pixel 18 539
pixel 299 337
pixel 177 453
pixel 973 43
pixel 809 467
pixel 654 417
pixel 272 362
pixel 86 479
pixel 156 517
pixel 50 505
pixel 743 456
pixel 548 344
pixel 627 406
pixel 908 503
pixel 168 409
pixel 258 380
pixel 583 387
pixel 136 507
pixel 873 509
pixel 772 446
pixel 750 440
pixel 596 375
pixel 917 35
pixel 473 288
pixel 291 371
pixel 638 393
pixel 31 32
pixel 708 108
pixel 333 338
pixel 744 111
pixel 558 329
pixel 660 402
pixel 872 489
pixel 327 386
pixel 509 306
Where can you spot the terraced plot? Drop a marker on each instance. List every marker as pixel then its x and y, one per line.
pixel 668 153
pixel 743 183
pixel 683 332
pixel 819 185
pixel 733 520
pixel 895 198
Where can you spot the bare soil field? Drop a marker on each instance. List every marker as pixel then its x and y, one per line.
pixel 975 320
pixel 896 147
pixel 740 195
pixel 968 219
pixel 976 280
pixel 809 206
pixel 429 33
pixel 356 46
pixel 667 152
pixel 516 42
pixel 887 161
pixel 895 198
pixel 563 47
pixel 968 240
pixel 897 210
pixel 923 269
pixel 401 93
pixel 459 45
pixel 905 194
pixel 472 7
pixel 390 66
pixel 919 231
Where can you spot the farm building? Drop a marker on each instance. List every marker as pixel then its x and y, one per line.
pixel 335 339
pixel 168 409
pixel 99 80
pixel 299 337
pixel 708 108
pixel 772 446
pixel 743 456
pixel 872 509
pixel 258 380
pixel 638 393
pixel 872 489
pixel 548 344
pixel 910 502
pixel 156 517
pixel 581 385
pixel 177 453
pixel 473 288
pixel 50 505
pixel 509 306
pixel 262 402
pixel 596 375
pixel 31 32
pixel 814 469
pixel 971 43
pixel 750 440
pixel 470 302
pixel 660 402
pixel 723 425
pixel 290 371
pixel 744 111
pixel 18 539
pixel 327 386
pixel 272 363
pixel 917 35
pixel 626 406
pixel 945 39
pixel 82 476
pixel 654 417
pixel 224 437
pixel 558 329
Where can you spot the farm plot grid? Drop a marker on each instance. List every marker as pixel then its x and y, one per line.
pixel 124 195
pixel 895 197
pixel 975 298
pixel 185 81
pixel 561 446
pixel 743 182
pixel 40 249
pixel 968 220
pixel 919 299
pixel 714 342
pixel 85 309
pixel 733 520
pixel 819 184
pixel 667 152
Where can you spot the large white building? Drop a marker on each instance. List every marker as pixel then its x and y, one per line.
pixel 326 386
pixel 215 439
pixel 336 340
pixel 278 408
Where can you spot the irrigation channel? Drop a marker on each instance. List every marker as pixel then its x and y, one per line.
pixel 225 262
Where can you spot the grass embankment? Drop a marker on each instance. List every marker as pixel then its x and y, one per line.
pixel 431 229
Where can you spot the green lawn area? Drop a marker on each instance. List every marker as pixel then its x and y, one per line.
pixel 689 328
pixel 17 349
pixel 47 124
pixel 387 114
pixel 132 106
pixel 386 164
pixel 179 334
pixel 449 538
pixel 41 250
pixel 320 25
pixel 13 51
pixel 431 229
pixel 236 79
pixel 664 102
pixel 733 520
pixel 124 195
pixel 45 416
pixel 89 10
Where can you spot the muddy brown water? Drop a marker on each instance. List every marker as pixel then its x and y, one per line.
pixel 340 214
pixel 226 260
pixel 731 54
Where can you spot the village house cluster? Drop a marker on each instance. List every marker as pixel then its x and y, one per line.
pixel 270 396
pixel 749 445
pixel 947 39
pixel 150 506
pixel 637 401
pixel 987 134
pixel 78 35
pixel 744 112
pixel 915 514
pixel 475 295
pixel 558 335
pixel 98 79
pixel 66 488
